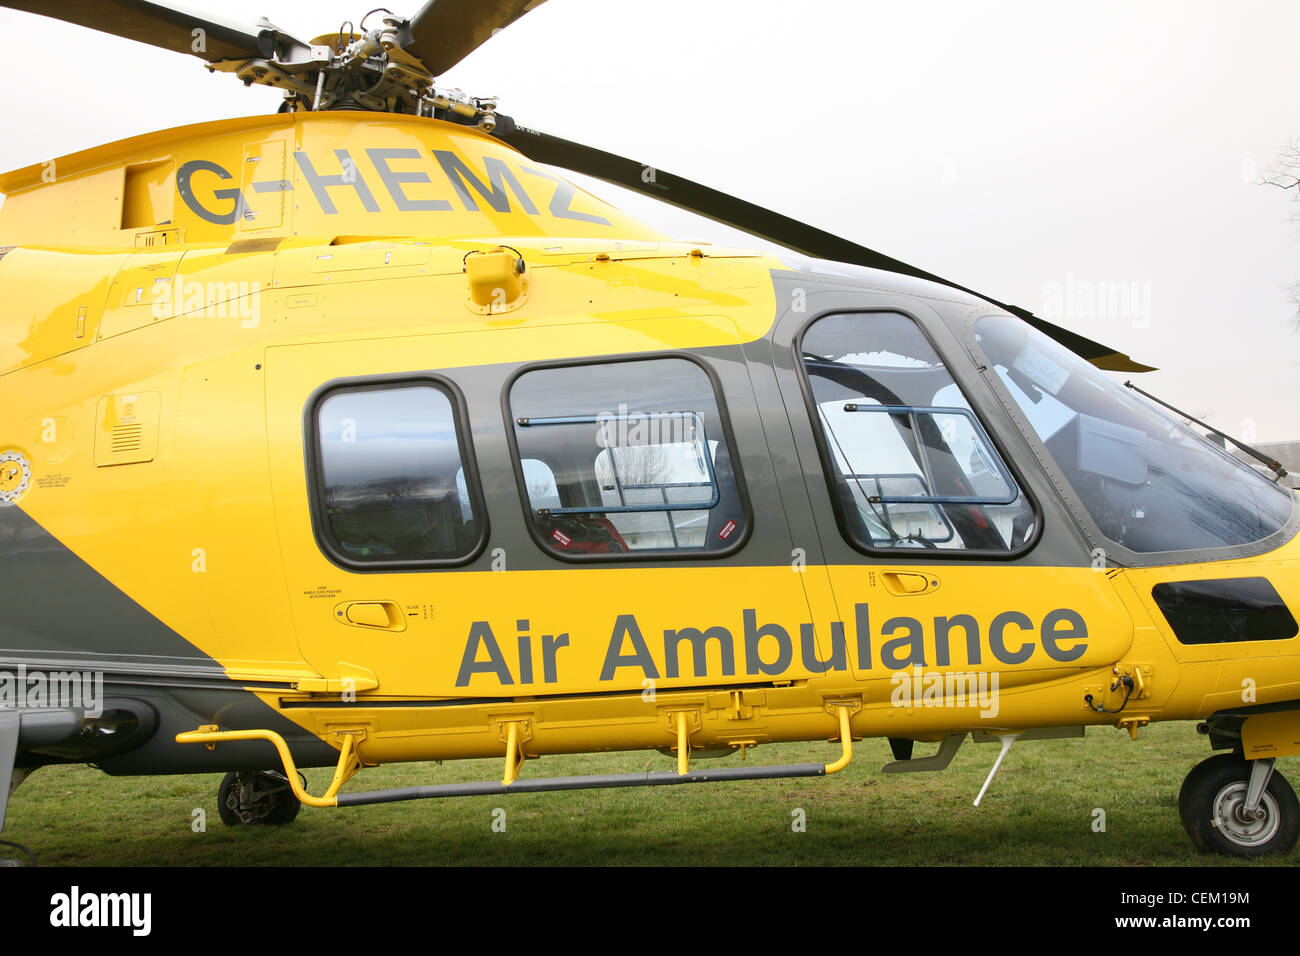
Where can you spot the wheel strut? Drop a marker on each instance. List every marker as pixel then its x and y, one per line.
pixel 1260 772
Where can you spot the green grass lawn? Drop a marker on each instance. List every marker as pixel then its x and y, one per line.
pixel 1039 811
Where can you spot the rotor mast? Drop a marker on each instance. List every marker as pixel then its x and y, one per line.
pixel 370 71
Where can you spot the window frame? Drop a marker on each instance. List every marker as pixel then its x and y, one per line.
pixel 315 470
pixel 649 554
pixel 831 472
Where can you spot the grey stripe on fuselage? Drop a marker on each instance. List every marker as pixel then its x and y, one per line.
pixel 60 611
pixel 58 606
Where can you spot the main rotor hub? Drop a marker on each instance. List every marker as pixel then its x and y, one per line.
pixel 362 71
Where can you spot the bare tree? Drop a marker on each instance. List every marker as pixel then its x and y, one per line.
pixel 640 465
pixel 1285 175
pixel 542 492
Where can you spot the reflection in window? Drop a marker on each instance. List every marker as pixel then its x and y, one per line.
pixel 540 481
pixel 913 466
pixel 626 457
pixel 1149 482
pixel 394 485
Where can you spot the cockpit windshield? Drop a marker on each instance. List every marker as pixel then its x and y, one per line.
pixel 1148 481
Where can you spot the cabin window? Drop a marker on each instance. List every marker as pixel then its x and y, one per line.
pixel 626 458
pixel 909 464
pixel 391 478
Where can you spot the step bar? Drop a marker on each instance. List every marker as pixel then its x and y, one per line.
pixel 349 763
pixel 591 782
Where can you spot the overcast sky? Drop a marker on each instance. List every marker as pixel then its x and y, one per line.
pixel 1044 153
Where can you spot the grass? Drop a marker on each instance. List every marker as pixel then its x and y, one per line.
pixel 1039 811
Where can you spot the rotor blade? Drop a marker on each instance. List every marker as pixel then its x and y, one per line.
pixel 158 24
pixel 444 32
pixel 766 224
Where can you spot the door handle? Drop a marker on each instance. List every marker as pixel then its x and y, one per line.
pixel 907 583
pixel 374 615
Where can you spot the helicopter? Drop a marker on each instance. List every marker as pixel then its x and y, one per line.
pixel 357 433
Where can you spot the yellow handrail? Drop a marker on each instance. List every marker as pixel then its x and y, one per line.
pixel 683 744
pixel 512 754
pixel 846 741
pixel 347 766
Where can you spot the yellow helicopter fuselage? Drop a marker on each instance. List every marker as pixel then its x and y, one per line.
pixel 177 307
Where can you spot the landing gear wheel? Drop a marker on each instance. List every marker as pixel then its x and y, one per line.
pixel 1212 804
pixel 249 798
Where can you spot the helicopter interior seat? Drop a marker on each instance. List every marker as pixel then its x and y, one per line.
pixel 582 534
pixel 578 533
pixel 363 529
pixel 413 527
pixel 430 520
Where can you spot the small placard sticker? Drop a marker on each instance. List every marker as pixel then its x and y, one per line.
pixel 727 528
pixel 563 539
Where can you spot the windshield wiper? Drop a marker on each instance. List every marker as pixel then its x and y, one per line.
pixel 1271 463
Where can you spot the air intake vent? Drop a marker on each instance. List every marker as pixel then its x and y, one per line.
pixel 127 431
pixel 126 438
pixel 148 191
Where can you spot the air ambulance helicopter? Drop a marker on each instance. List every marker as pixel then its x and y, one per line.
pixel 356 434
